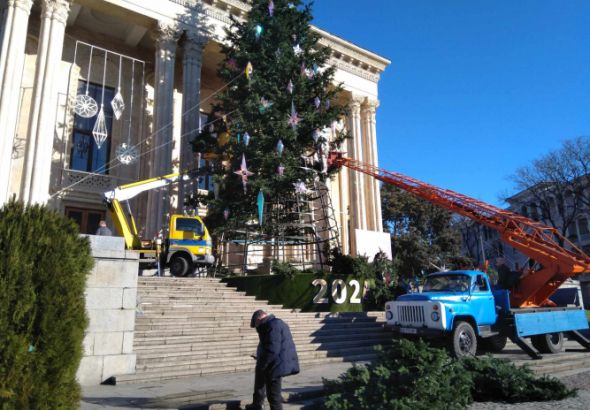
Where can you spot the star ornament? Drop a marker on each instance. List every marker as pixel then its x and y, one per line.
pixel 298 50
pixel 300 188
pixel 244 173
pixel 294 120
pixel 264 104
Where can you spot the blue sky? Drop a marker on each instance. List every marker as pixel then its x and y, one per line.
pixel 476 88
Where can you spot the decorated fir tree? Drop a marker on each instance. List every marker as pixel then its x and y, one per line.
pixel 279 108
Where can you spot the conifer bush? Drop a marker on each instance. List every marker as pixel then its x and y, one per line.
pixel 43 268
pixel 414 376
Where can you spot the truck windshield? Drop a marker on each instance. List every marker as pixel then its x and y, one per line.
pixel 446 283
pixel 189 225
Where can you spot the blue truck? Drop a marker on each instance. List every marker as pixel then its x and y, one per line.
pixel 461 309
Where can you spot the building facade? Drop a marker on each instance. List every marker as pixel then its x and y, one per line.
pixel 158 59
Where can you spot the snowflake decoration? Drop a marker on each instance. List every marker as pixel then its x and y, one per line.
pixel 85 106
pixel 127 153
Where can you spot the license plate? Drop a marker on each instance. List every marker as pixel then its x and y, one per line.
pixel 408 330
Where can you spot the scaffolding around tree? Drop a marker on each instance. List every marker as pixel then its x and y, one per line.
pixel 298 230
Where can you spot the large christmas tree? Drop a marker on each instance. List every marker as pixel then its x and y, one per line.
pixel 280 106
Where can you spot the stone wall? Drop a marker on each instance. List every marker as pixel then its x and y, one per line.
pixel 111 294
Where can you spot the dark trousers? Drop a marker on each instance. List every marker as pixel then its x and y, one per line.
pixel 265 386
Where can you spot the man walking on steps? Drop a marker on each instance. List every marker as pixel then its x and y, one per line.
pixel 276 358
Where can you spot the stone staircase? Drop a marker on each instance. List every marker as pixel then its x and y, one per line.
pixel 195 327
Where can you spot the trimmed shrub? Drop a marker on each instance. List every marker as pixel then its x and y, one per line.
pixel 43 267
pixel 284 268
pixel 359 267
pixel 408 376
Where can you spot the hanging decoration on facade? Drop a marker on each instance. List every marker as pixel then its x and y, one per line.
pixel 264 104
pixel 246 138
pixel 118 104
pixel 86 106
pixel 260 206
pixel 100 127
pixel 290 87
pixel 82 146
pixel 294 119
pixel 226 213
pixel 281 169
pixel 271 8
pixel 244 173
pixel 126 152
pixel 280 147
pixel 249 71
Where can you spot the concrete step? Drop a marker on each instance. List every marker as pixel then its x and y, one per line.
pixel 184 308
pixel 298 337
pixel 192 362
pixel 229 332
pixel 556 363
pixel 220 296
pixel 156 376
pixel 246 316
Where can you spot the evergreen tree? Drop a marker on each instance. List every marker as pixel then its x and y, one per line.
pixel 290 72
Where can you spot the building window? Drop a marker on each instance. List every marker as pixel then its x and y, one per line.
pixel 524 211
pixel 87 219
pixel 572 232
pixel 583 227
pixel 85 155
pixel 534 213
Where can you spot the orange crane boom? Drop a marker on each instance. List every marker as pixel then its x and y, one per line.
pixel 536 240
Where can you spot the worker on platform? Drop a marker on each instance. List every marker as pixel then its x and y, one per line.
pixel 103 230
pixel 507 279
pixel 276 358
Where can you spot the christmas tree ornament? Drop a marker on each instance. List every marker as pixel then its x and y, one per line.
pixel 315 68
pixel 225 118
pixel 246 138
pixel 244 173
pixel 316 135
pixel 117 103
pixel 281 169
pixel 279 54
pixel 294 37
pixel 298 50
pixel 310 74
pixel 271 8
pixel 294 119
pixel 126 152
pixel 264 104
pixel 290 87
pixel 239 138
pixel 100 132
pixel 82 146
pixel 333 128
pixel 327 104
pixel 232 64
pixel 303 68
pixel 300 188
pixel 249 71
pixel 317 102
pixel 258 31
pixel 86 106
pixel 260 206
pixel 280 147
pixel 226 213
pixel 216 189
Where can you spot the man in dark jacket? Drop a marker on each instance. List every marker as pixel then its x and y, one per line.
pixel 103 230
pixel 400 290
pixel 506 278
pixel 276 358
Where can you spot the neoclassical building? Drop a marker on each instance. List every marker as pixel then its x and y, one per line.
pixel 67 68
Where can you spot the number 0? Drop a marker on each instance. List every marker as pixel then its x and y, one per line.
pixel 319 298
pixel 339 283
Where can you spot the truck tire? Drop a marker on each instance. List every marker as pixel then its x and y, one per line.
pixel 549 343
pixel 463 340
pixel 179 266
pixel 495 343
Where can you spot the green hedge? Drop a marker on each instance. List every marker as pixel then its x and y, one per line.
pixel 43 267
pixel 297 293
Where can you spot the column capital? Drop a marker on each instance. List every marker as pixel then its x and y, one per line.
pixel 370 105
pixel 24 5
pixel 194 43
pixel 165 36
pixel 57 10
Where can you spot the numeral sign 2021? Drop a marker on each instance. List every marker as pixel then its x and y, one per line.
pixel 339 292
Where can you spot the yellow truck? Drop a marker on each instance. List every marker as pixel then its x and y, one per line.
pixel 188 244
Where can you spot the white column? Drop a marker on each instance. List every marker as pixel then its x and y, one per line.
pixel 368 159
pixel 54 15
pixel 344 209
pixel 356 178
pixel 165 38
pixel 379 217
pixel 193 46
pixel 15 20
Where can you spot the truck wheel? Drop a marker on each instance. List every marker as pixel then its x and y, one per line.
pixel 463 340
pixel 495 343
pixel 549 343
pixel 179 266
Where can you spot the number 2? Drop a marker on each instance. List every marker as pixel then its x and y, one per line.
pixel 319 298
